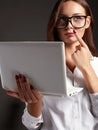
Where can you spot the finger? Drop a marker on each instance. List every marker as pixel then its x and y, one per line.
pixel 13 94
pixel 20 87
pixel 36 93
pixel 82 43
pixel 30 97
pixel 25 89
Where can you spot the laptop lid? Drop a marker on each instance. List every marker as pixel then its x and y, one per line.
pixel 43 62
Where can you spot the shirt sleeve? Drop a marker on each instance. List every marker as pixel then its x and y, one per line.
pixel 32 123
pixel 94 96
pixel 94 103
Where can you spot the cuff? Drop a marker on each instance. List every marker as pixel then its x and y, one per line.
pixel 31 121
pixel 94 103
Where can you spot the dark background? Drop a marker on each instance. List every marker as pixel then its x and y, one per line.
pixel 25 20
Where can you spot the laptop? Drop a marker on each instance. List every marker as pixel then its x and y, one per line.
pixel 43 62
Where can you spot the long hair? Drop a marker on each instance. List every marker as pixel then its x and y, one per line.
pixel 52 34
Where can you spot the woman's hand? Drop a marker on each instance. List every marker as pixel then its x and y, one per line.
pixel 27 93
pixel 82 55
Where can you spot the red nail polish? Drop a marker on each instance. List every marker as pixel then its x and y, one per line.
pixel 16 76
pixel 74 31
pixel 20 76
pixel 24 78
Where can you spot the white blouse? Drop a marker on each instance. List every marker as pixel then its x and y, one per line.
pixel 76 112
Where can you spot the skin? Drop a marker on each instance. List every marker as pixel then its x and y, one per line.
pixel 77 54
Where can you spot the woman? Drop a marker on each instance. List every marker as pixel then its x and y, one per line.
pixel 71 22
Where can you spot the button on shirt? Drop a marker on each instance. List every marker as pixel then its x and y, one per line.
pixel 76 112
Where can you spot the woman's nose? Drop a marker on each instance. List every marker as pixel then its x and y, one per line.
pixel 69 25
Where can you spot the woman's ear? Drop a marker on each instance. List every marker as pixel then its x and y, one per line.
pixel 88 21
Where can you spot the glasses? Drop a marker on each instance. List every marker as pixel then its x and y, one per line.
pixel 76 21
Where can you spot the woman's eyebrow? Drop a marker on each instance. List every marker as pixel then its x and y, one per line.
pixel 75 14
pixel 78 14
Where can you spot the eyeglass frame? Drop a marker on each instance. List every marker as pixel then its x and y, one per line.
pixel 69 20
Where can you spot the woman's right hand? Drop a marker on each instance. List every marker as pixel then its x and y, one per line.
pixel 27 93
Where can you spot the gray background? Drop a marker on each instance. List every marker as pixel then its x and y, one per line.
pixel 25 20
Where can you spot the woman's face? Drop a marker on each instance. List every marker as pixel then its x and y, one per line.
pixel 69 9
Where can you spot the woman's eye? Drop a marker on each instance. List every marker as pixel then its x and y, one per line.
pixel 77 17
pixel 62 19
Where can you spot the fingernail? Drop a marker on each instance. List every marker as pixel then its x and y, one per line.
pixel 16 76
pixel 24 78
pixel 31 87
pixel 74 31
pixel 20 76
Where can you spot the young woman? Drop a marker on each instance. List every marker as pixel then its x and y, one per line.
pixel 71 22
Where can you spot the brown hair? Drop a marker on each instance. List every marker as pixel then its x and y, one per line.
pixel 52 34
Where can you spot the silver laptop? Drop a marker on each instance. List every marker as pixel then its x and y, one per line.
pixel 42 62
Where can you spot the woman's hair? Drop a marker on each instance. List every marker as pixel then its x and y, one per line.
pixel 52 34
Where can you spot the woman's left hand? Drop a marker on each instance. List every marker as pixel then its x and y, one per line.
pixel 82 55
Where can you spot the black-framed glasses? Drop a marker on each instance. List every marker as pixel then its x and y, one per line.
pixel 78 21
